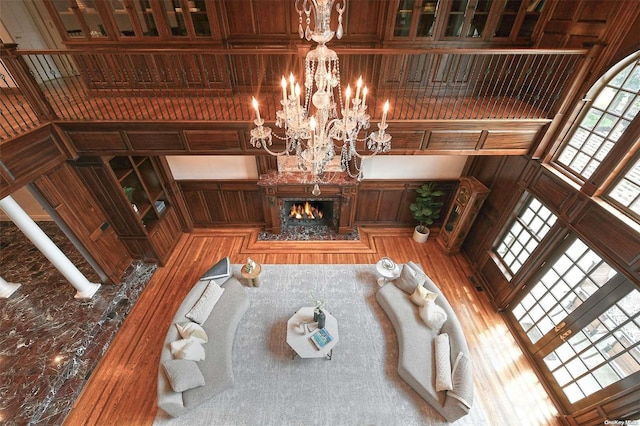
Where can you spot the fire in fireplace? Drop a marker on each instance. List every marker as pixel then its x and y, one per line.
pixel 301 212
pixel 306 210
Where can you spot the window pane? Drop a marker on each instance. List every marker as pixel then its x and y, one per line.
pixel 627 191
pixel 603 124
pixel 578 273
pixel 524 234
pixel 602 353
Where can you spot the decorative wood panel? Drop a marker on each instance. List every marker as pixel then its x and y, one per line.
pixel 217 140
pixel 453 140
pixel 165 235
pixel 149 141
pixel 409 140
pixel 24 159
pixel 509 140
pixel 212 203
pixel 97 141
pixel 616 238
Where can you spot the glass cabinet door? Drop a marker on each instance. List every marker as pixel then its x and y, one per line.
pixel 427 19
pixel 479 18
pixel 415 19
pixel 404 17
pixel 199 19
pixel 69 19
pixel 122 18
pixel 532 14
pixel 145 16
pixel 80 18
pixel 455 20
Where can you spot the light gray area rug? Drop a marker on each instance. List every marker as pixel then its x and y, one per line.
pixel 359 386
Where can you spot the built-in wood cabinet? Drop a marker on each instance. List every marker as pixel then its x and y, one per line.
pixel 136 201
pixel 466 205
pixel 134 20
pixel 500 21
pixel 248 22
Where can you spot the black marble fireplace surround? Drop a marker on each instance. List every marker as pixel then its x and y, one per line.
pixel 49 341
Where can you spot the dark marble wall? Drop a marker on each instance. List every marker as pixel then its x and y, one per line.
pixel 49 341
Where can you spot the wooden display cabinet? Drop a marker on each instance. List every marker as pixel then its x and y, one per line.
pixel 464 20
pixel 467 202
pixel 136 201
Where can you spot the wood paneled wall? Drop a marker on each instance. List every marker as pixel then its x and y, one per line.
pixel 229 203
pixel 239 203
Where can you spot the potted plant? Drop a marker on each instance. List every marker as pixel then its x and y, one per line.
pixel 425 210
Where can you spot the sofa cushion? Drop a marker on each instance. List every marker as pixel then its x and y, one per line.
pixel 192 330
pixel 433 315
pixel 443 362
pixel 407 281
pixel 421 295
pixel 203 307
pixel 187 349
pixel 220 271
pixel 183 374
pixel 462 381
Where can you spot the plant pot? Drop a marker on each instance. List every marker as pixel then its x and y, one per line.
pixel 421 236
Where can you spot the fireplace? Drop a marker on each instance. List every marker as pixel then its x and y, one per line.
pixel 283 191
pixel 314 212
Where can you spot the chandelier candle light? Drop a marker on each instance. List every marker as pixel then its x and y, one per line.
pixel 312 135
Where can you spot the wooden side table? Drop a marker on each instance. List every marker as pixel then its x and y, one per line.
pixel 253 277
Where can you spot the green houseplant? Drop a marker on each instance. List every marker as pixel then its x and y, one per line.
pixel 425 210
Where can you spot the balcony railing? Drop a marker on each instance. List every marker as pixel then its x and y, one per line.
pixel 217 84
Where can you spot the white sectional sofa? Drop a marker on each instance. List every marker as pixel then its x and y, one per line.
pixel 416 363
pixel 216 368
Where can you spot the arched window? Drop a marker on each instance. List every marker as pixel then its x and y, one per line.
pixel 615 105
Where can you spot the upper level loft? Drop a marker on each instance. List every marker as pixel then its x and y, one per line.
pixel 241 22
pixel 487 76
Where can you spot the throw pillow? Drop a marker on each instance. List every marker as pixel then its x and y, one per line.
pixel 433 315
pixel 421 277
pixel 203 307
pixel 421 295
pixel 219 271
pixel 462 381
pixel 183 374
pixel 442 354
pixel 187 349
pixel 191 330
pixel 407 280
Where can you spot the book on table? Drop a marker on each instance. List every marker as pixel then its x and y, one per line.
pixel 321 338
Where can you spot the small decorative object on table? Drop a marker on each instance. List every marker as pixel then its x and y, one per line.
pixel 321 338
pixel 251 272
pixel 250 265
pixel 388 269
pixel 320 318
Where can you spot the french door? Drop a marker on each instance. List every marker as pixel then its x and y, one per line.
pixel 580 319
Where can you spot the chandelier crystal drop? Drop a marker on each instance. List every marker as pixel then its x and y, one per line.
pixel 313 128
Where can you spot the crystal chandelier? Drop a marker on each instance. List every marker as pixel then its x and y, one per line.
pixel 312 126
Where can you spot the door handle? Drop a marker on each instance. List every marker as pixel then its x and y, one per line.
pixel 559 327
pixel 564 335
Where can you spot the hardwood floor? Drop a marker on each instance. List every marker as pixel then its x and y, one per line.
pixel 122 389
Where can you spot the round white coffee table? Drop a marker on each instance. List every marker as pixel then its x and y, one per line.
pixel 299 337
pixel 389 270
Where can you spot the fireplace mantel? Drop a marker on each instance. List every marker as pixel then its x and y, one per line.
pixel 276 187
